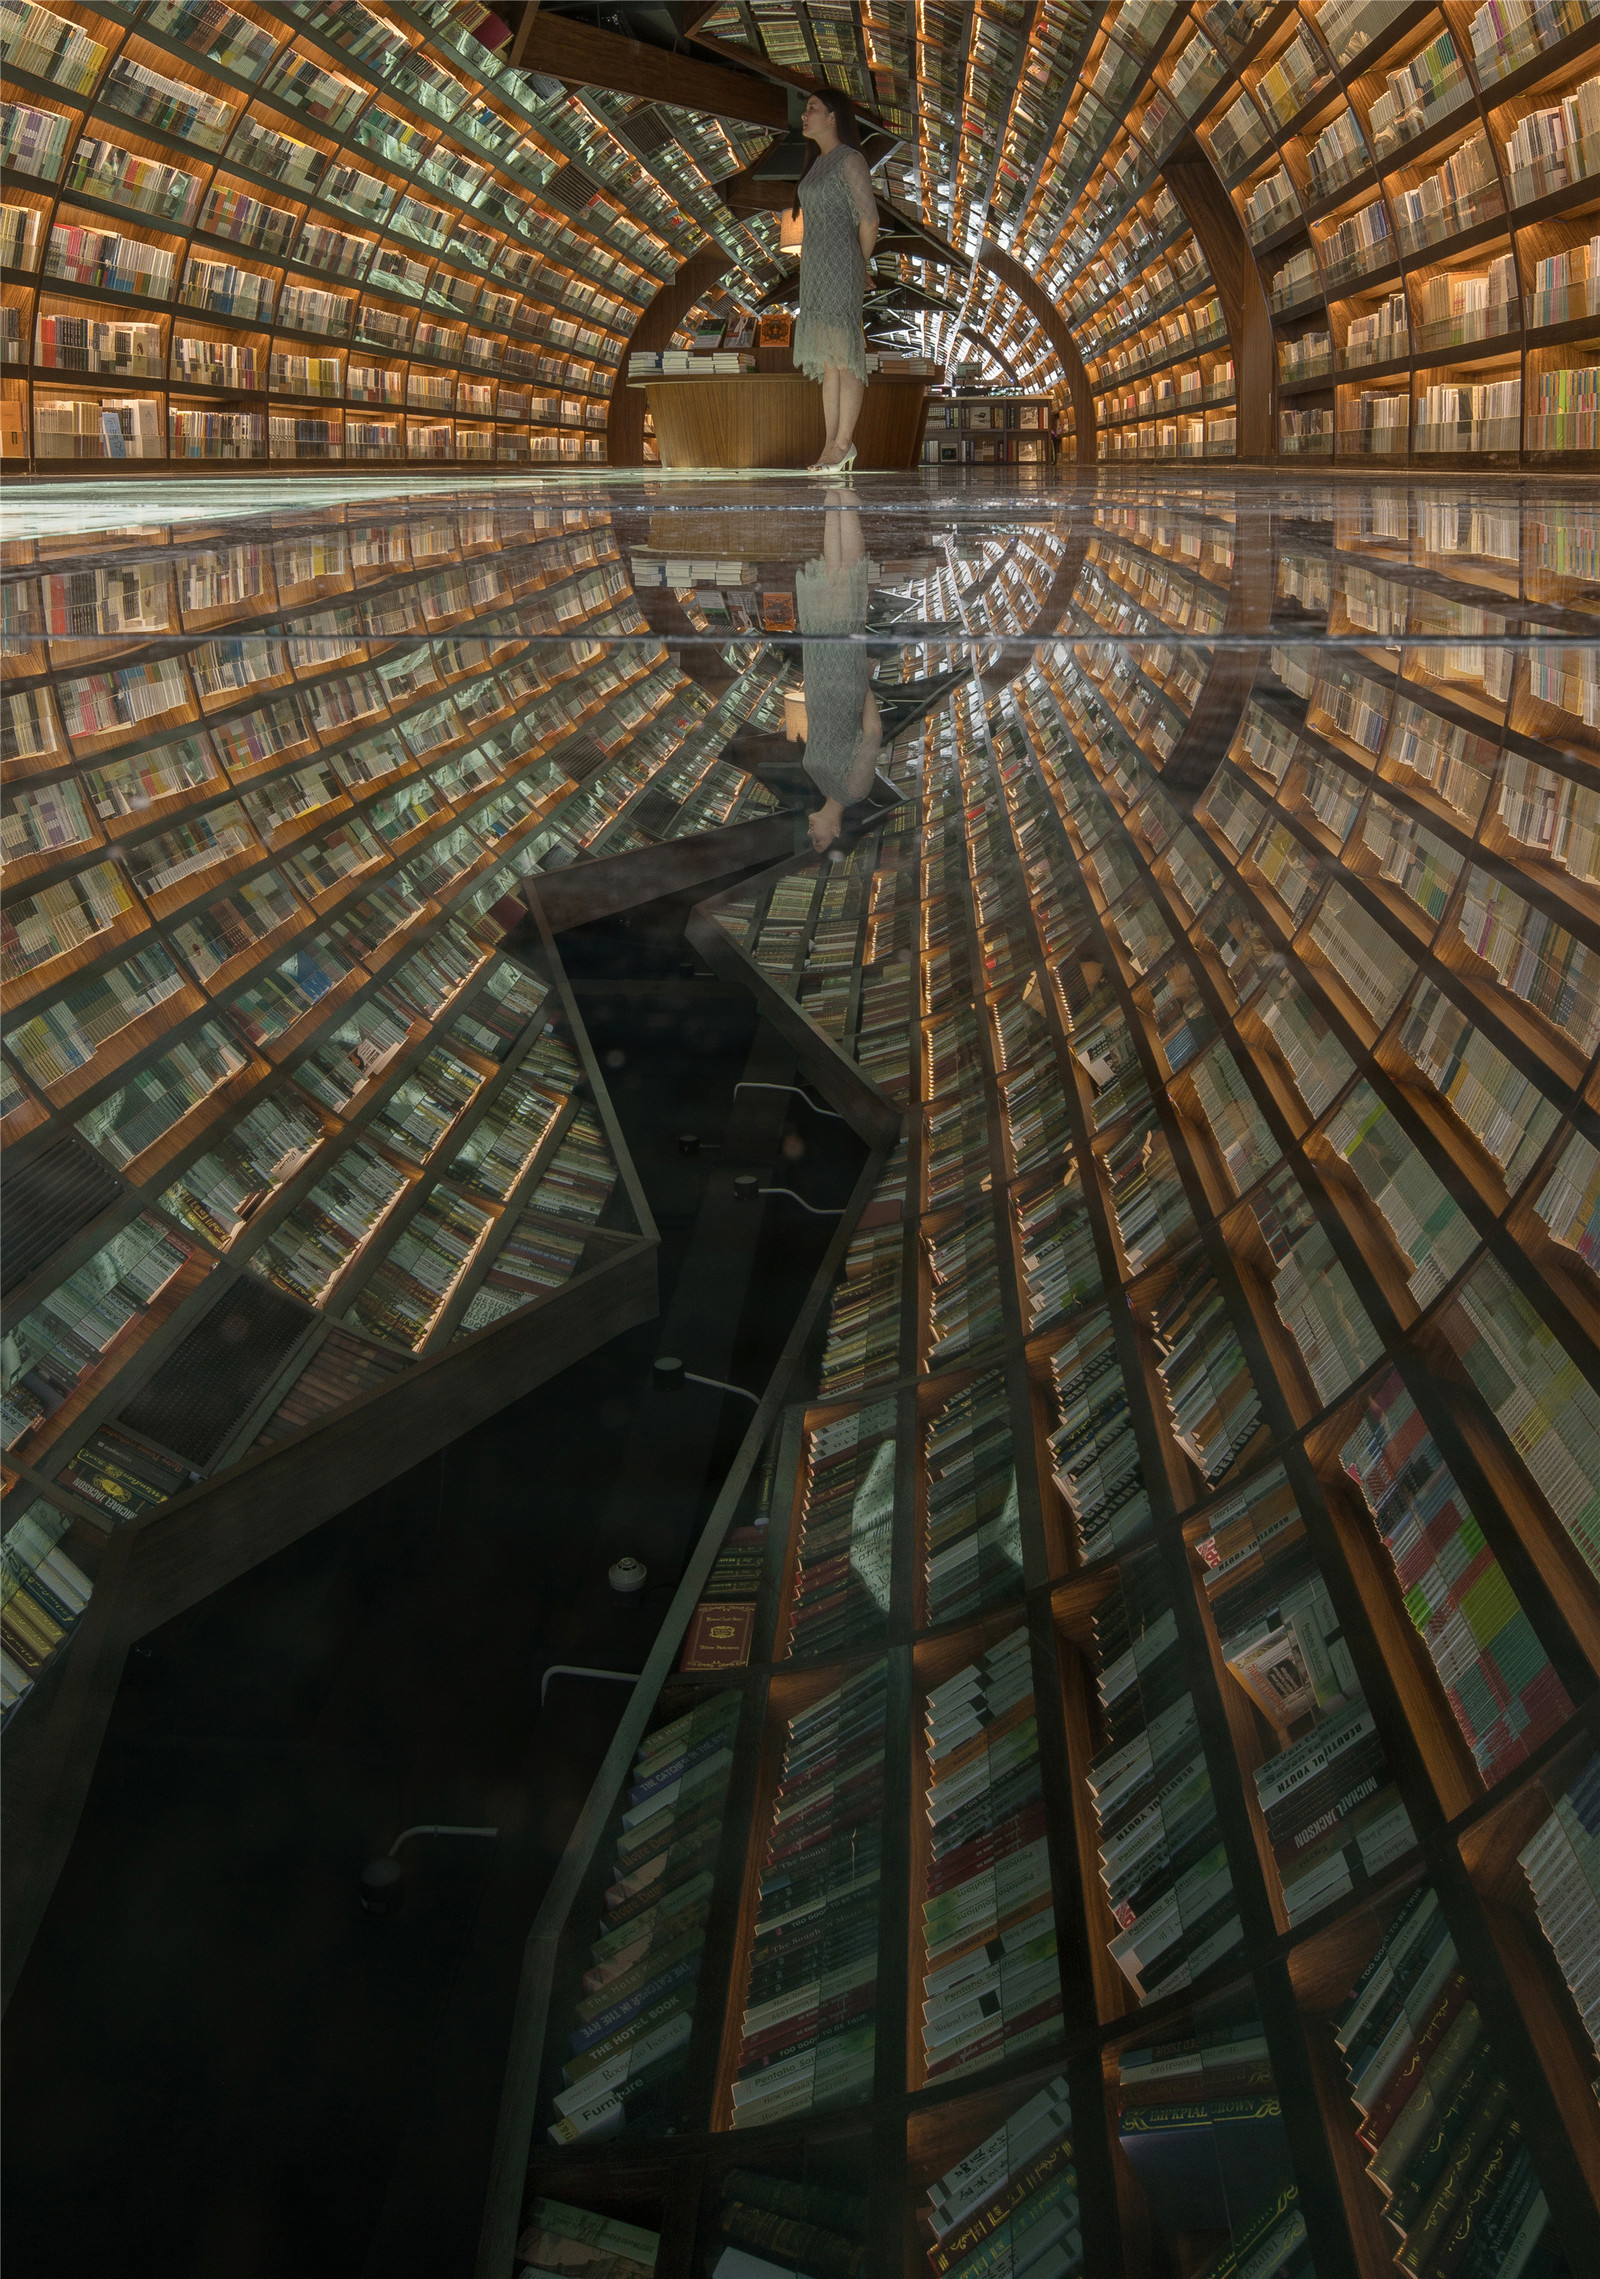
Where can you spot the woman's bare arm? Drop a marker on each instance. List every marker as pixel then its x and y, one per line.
pixel 858 181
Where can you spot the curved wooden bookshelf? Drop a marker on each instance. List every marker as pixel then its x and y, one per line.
pixel 310 239
pixel 1164 1082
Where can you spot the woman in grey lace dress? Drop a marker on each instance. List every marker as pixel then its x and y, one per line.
pixel 841 228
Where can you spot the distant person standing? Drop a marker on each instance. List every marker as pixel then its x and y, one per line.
pixel 1058 434
pixel 841 228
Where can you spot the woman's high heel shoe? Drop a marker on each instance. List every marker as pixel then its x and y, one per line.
pixel 840 466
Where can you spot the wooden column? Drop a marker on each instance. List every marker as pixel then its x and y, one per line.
pixel 1032 295
pixel 654 330
pixel 978 341
pixel 1208 210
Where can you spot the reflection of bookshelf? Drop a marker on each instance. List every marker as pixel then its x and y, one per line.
pixel 326 1335
pixel 1183 1447
pixel 272 806
pixel 237 204
pixel 816 944
pixel 338 1331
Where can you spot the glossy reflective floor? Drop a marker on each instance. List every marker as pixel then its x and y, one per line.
pixel 1190 886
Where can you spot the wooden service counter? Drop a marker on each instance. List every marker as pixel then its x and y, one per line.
pixel 774 419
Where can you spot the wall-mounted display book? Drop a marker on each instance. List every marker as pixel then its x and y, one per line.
pixel 317 233
pixel 1127 1800
pixel 286 1127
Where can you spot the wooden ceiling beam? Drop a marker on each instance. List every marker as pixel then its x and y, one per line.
pixel 781 76
pixel 517 53
pixel 568 49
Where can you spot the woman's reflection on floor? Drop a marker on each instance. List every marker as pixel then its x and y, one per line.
pixel 843 732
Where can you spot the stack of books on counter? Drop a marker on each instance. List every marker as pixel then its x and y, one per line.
pixel 993 1983
pixel 808 2035
pixel 1010 2205
pixel 631 2030
pixel 683 360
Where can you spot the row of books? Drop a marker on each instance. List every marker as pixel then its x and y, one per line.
pixel 559 2237
pixel 43 1593
pixel 143 185
pixel 991 1986
pixel 1565 284
pixel 1459 195
pixel 807 2039
pixel 972 1526
pixel 77 253
pixel 1445 2147
pixel 1550 148
pixel 863 1336
pixel 630 2030
pixel 98 427
pixel 963 1265
pixel 1495 1672
pixel 1562 1864
pixel 52 1348
pixel 840 1594
pixel 310 1248
pixel 1056 1245
pixel 534 1257
pixel 1010 2204
pixel 1427 88
pixel 1200 2127
pixel 78 63
pixel 54 816
pixel 1163 1865
pixel 66 1035
pixel 769 2227
pixel 217 1194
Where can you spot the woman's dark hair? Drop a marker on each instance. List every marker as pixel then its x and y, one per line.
pixel 843 118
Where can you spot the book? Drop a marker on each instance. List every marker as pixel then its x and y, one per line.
pixel 718 1638
pixel 807 2034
